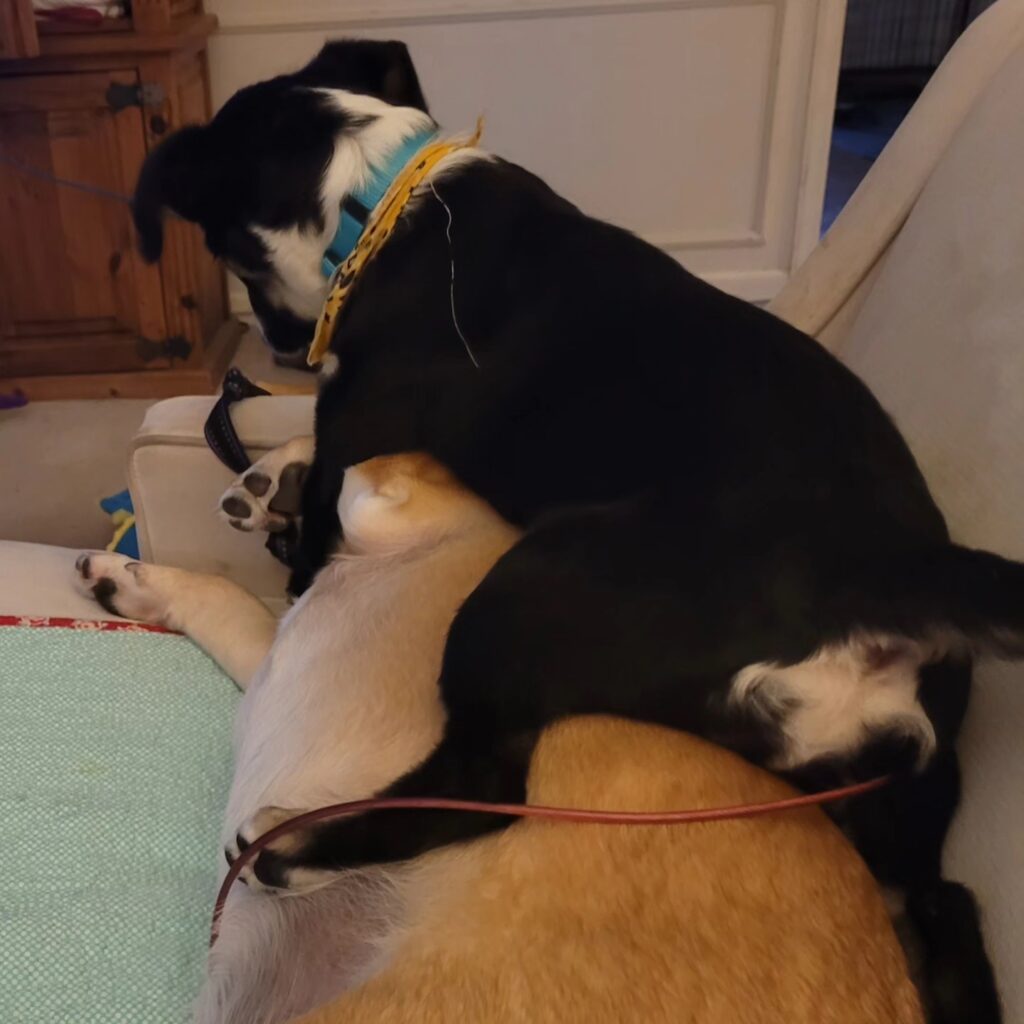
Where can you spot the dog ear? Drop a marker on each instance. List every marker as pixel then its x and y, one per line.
pixel 401 85
pixel 381 69
pixel 170 177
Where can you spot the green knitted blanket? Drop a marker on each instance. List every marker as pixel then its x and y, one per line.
pixel 115 758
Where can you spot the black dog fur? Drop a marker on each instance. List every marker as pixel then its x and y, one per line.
pixel 704 487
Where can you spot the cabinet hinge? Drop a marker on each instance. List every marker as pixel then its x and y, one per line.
pixel 174 347
pixel 148 94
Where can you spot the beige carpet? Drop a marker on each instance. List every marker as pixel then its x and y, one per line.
pixel 57 459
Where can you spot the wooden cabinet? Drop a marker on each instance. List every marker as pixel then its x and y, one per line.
pixel 18 36
pixel 81 315
pixel 74 294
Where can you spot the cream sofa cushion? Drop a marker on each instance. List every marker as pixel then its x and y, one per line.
pixel 940 340
pixel 37 581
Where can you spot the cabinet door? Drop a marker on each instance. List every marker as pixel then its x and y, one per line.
pixel 18 36
pixel 74 295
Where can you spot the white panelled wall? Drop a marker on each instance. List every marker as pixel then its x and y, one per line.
pixel 703 125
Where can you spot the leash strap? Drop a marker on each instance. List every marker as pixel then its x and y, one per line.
pixel 221 436
pixel 383 219
pixel 576 814
pixel 219 431
pixel 284 546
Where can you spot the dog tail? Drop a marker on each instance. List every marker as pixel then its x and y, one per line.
pixel 279 957
pixel 951 597
pixel 168 176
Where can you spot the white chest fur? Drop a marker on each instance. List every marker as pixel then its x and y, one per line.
pixel 347 700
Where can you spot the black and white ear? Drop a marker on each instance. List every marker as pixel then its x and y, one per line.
pixel 170 177
pixel 376 68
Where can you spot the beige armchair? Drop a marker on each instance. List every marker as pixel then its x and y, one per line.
pixel 919 287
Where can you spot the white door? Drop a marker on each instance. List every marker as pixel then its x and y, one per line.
pixel 703 125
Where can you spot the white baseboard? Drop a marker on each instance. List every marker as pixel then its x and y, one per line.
pixel 267 15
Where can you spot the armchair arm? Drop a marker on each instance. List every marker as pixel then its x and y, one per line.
pixel 176 483
pixel 824 294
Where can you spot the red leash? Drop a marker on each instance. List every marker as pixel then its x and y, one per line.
pixel 528 811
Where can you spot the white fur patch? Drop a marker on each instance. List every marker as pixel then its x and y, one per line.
pixel 298 283
pixel 370 146
pixel 829 704
pixel 277 958
pixel 329 366
pixel 345 702
pixel 296 253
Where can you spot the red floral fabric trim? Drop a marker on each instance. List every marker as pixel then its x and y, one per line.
pixel 85 625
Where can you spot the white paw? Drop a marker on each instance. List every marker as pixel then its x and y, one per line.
pixel 118 584
pixel 268 495
pixel 273 866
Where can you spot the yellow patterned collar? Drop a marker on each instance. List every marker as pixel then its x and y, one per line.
pixel 381 224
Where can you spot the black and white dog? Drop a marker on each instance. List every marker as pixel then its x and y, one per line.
pixel 724 531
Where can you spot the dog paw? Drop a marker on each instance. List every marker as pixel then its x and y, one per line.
pixel 275 866
pixel 268 495
pixel 118 585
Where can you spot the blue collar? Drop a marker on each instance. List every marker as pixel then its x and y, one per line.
pixel 357 206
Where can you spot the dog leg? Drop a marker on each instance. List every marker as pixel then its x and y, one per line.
pixel 268 495
pixel 231 625
pixel 321 527
pixel 493 770
pixel 900 830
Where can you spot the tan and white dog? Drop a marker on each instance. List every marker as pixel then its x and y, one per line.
pixel 768 920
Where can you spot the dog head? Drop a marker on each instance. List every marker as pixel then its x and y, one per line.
pixel 265 177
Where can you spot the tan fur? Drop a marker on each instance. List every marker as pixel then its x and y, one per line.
pixel 767 921
pixel 397 502
pixel 366 640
